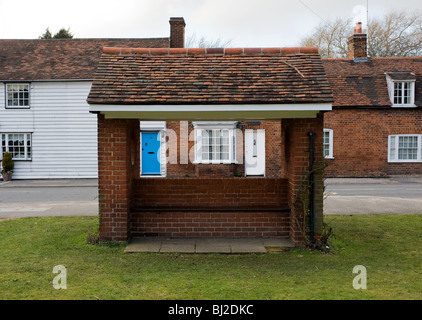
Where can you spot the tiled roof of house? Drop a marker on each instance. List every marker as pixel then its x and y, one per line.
pixel 59 58
pixel 364 83
pixel 210 76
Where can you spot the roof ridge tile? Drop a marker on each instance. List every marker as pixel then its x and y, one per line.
pixel 212 51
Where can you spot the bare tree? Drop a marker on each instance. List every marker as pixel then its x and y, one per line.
pixel 330 37
pixel 395 34
pixel 193 41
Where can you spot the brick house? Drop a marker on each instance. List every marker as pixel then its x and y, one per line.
pixel 240 128
pixel 375 128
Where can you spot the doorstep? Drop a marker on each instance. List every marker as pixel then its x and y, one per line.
pixel 208 245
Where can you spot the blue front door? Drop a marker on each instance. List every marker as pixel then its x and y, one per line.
pixel 150 153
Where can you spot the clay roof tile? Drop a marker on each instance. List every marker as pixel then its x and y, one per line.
pixel 364 84
pixel 59 59
pixel 210 75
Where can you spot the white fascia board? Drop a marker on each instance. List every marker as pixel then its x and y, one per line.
pixel 212 108
pixel 152 125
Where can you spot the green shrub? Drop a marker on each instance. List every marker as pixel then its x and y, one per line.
pixel 7 162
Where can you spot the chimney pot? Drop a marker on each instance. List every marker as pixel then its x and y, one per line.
pixel 358 27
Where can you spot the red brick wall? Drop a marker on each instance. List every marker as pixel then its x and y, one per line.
pixel 210 207
pixel 182 166
pixel 360 145
pixel 210 193
pixel 118 163
pixel 218 170
pixel 296 142
pixel 211 224
pixel 273 151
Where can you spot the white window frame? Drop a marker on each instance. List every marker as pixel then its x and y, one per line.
pixel 330 146
pixel 5 137
pixel 11 86
pixel 393 148
pixel 391 91
pixel 201 126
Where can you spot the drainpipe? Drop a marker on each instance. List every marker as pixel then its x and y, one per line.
pixel 311 186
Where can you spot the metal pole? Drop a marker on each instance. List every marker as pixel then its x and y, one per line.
pixel 311 186
pixel 367 27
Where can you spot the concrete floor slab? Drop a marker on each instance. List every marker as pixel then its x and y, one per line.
pixel 178 245
pixel 212 246
pixel 207 245
pixel 144 245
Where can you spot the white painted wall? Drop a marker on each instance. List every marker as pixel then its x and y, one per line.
pixel 64 133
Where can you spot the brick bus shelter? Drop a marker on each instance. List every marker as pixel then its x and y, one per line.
pixel 209 142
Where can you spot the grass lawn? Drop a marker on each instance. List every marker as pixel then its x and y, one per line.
pixel 389 246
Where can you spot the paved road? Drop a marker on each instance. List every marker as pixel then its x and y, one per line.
pixel 25 198
pixel 402 195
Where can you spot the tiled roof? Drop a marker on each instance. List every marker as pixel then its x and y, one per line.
pixel 210 76
pixel 59 58
pixel 364 84
pixel 403 76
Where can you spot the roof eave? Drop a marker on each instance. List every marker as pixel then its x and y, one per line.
pixel 211 112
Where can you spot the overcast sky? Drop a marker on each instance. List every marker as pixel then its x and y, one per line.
pixel 247 23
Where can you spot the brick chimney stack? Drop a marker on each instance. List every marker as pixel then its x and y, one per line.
pixel 357 43
pixel 177 32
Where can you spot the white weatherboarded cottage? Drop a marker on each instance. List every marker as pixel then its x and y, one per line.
pixel 50 134
pixel 44 117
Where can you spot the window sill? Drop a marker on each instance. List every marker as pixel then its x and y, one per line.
pixel 411 105
pixel 329 158
pixel 404 161
pixel 214 162
pixel 153 176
